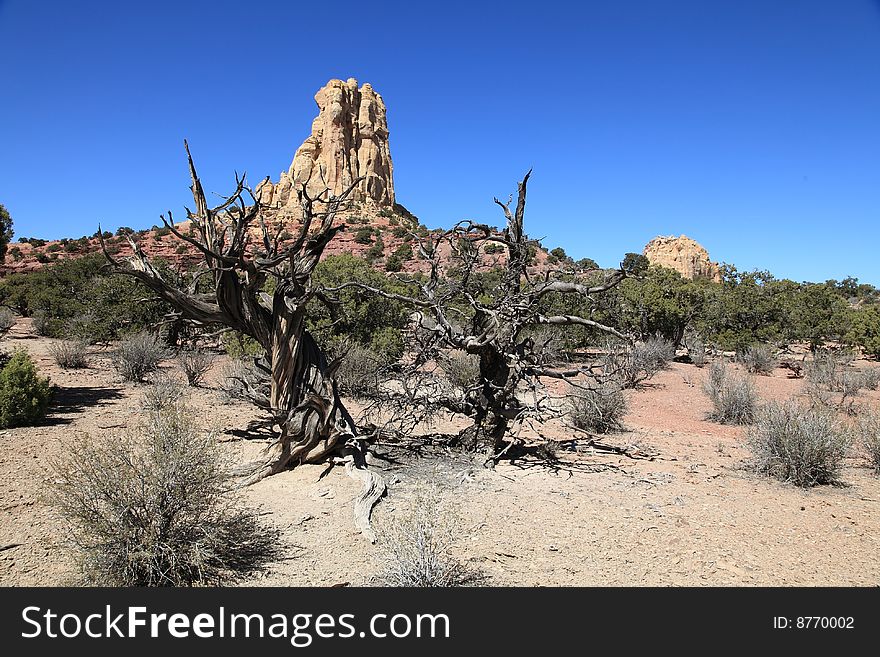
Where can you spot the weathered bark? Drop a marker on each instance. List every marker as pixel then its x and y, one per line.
pixel 489 402
pixel 302 398
pixel 497 323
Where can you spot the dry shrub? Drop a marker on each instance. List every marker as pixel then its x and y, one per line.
pixel 868 431
pixel 871 378
pixel 138 355
pixel 758 359
pixel 696 350
pixel 830 370
pixel 151 508
pixel 236 376
pixel 416 545
pixel 70 354
pixel 461 369
pixel 43 324
pixel 358 372
pixel 167 391
pixel 598 410
pixel 803 445
pixel 734 398
pixel 195 364
pixel 7 320
pixel 833 383
pixel 636 364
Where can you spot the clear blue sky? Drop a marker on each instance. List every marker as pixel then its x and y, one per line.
pixel 752 126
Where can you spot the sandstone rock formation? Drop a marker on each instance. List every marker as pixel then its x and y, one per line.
pixel 684 255
pixel 349 140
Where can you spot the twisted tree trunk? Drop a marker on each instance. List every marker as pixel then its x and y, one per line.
pixel 302 398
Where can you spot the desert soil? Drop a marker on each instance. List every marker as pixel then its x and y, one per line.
pixel 693 515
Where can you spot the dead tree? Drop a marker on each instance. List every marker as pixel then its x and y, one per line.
pixel 301 393
pixel 495 330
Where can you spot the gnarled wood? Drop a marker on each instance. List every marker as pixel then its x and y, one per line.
pixel 302 395
pixel 495 328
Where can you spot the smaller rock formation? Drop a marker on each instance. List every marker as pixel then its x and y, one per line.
pixel 684 255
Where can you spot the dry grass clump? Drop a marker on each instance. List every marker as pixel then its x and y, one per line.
pixel 734 398
pixel 632 365
pixel 416 546
pixel 195 364
pixel 598 410
pixel 151 507
pixel 871 378
pixel 70 354
pixel 696 350
pixel 804 445
pixel 758 359
pixel 137 355
pixel 868 431
pixel 237 377
pixel 358 372
pixel 166 392
pixel 461 369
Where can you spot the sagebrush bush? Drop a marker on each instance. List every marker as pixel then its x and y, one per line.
pixel 166 392
pixel 696 350
pixel 758 359
pixel 238 377
pixel 138 355
pixel 195 364
pixel 801 444
pixel 715 378
pixel 358 372
pixel 151 508
pixel 734 398
pixel 24 395
pixel 7 320
pixel 416 546
pixel 832 383
pixel 462 370
pixel 831 371
pixel 599 410
pixel 70 354
pixel 638 363
pixel 871 378
pixel 868 431
pixel 44 324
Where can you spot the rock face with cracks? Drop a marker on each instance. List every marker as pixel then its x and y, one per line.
pixel 349 140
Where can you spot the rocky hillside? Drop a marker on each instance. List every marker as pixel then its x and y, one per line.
pixel 349 140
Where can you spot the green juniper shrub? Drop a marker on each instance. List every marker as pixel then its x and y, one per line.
pixel 364 236
pixel 24 395
pixel 369 320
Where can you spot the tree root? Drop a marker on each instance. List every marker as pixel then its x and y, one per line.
pixel 373 489
pixel 309 436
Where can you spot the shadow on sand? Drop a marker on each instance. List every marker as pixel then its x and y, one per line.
pixel 77 399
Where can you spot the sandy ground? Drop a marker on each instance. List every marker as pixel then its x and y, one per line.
pixel 694 515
